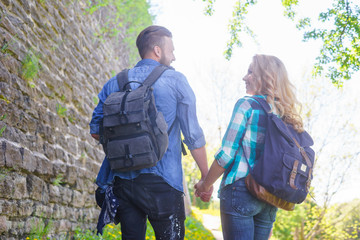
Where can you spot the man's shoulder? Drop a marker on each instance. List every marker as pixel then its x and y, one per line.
pixel 171 72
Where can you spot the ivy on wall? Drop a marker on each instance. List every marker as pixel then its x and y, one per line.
pixel 124 21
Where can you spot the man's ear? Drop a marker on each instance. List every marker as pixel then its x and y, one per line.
pixel 157 51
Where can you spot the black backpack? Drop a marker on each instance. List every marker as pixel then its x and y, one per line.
pixel 134 133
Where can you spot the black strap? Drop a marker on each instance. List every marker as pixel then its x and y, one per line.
pixel 183 150
pixel 122 79
pixel 263 103
pixel 155 74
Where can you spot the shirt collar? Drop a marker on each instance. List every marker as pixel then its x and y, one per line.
pixel 147 61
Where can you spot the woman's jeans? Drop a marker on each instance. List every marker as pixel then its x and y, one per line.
pixel 242 215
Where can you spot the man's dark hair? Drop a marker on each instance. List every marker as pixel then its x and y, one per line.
pixel 150 37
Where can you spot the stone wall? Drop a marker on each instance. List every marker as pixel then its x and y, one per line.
pixel 52 67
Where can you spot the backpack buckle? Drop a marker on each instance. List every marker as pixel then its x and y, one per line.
pixel 128 162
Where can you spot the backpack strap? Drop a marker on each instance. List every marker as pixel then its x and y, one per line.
pixel 155 74
pixel 183 150
pixel 122 79
pixel 267 109
pixel 264 104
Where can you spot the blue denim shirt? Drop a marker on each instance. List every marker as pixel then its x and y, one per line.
pixel 176 100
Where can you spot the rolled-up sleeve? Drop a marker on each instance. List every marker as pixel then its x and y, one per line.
pixel 235 131
pixel 186 113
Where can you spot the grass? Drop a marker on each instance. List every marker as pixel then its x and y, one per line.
pixel 194 230
pixel 31 68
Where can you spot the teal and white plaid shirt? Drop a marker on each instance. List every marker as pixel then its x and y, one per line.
pixel 248 122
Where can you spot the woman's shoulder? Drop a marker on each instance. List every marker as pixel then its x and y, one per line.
pixel 249 102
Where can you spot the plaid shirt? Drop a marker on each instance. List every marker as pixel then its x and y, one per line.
pixel 244 139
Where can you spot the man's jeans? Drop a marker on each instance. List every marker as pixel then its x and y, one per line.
pixel 149 196
pixel 242 215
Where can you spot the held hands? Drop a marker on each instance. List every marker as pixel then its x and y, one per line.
pixel 203 191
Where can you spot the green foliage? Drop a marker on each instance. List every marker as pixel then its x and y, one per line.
pixel 237 25
pixel 309 221
pixel 289 10
pixel 40 230
pixel 4 172
pixel 30 68
pixel 4 99
pixel 5 48
pixel 193 230
pixel 4 127
pixel 124 21
pixel 61 111
pixel 2 130
pixel 58 180
pixel 209 9
pixel 96 100
pixel 341 42
pixel 340 51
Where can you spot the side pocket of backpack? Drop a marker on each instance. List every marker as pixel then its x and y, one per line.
pixel 162 136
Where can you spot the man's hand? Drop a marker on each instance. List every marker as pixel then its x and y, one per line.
pixel 202 191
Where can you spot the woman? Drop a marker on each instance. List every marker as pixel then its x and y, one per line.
pixel 242 215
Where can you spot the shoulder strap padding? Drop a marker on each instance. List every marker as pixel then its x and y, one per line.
pixel 155 74
pixel 122 79
pixel 263 103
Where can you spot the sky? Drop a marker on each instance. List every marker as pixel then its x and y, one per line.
pixel 200 42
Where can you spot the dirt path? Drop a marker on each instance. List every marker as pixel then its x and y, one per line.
pixel 214 225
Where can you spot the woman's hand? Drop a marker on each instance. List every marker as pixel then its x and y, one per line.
pixel 203 191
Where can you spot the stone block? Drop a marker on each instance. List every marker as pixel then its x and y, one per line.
pixel 49 151
pixel 32 223
pixel 2 153
pixel 13 186
pixel 17 228
pixel 54 193
pixel 13 157
pixel 33 142
pixel 35 186
pixel 72 145
pixel 25 6
pixel 29 162
pixel 20 189
pixel 43 211
pixel 78 199
pixel 90 200
pixel 59 168
pixel 71 174
pixel 4 75
pixel 59 212
pixel 4 224
pixel 8 207
pixel 66 195
pixel 63 226
pixel 45 167
pixel 25 208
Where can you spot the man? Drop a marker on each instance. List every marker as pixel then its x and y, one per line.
pixel 156 193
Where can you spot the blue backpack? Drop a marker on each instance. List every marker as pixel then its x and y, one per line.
pixel 285 169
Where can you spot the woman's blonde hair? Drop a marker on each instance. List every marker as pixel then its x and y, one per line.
pixel 271 79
